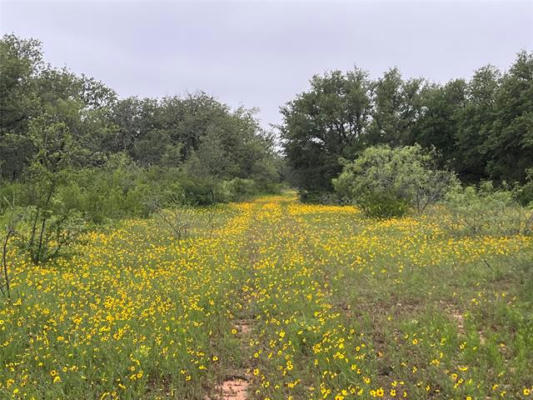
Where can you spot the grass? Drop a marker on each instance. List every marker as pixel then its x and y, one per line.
pixel 339 307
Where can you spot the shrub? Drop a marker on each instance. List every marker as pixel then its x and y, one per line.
pixel 382 205
pixel 319 197
pixel 484 210
pixel 395 178
pixel 198 191
pixel 524 193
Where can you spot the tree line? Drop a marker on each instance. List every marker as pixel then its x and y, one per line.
pixel 482 128
pixel 135 154
pixel 60 120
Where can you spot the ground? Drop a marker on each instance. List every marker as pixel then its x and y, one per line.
pixel 273 299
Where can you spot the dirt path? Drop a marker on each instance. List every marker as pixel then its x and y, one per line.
pixel 236 384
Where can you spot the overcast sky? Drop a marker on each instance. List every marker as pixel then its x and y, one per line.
pixel 260 54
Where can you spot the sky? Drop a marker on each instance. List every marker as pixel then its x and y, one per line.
pixel 262 53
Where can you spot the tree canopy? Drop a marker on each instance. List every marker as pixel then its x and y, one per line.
pixel 196 133
pixel 481 128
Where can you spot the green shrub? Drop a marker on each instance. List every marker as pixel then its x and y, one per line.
pixel 383 205
pixel 120 189
pixel 524 193
pixel 484 210
pixel 198 191
pixel 311 197
pixel 10 193
pixel 241 189
pixel 395 178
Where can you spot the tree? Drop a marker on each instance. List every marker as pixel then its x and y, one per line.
pixel 31 89
pixel 325 123
pixel 397 106
pixel 50 225
pixel 509 146
pixel 439 119
pixel 20 61
pixel 476 125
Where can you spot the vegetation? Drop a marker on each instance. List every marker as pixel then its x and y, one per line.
pixel 142 258
pixel 481 129
pixel 72 136
pixel 384 182
pixel 337 306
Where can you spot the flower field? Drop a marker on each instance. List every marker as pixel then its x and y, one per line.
pixel 299 301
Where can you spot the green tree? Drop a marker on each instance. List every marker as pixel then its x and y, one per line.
pixel 509 146
pixel 20 62
pixel 49 222
pixel 31 89
pixel 440 117
pixel 476 125
pixel 325 123
pixel 397 106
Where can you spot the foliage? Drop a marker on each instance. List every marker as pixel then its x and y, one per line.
pixel 324 124
pixel 382 205
pixel 68 146
pixel 482 128
pixel 524 193
pixel 385 181
pixel 50 224
pixel 396 106
pixel 486 211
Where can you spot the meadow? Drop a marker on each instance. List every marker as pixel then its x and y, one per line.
pixel 294 301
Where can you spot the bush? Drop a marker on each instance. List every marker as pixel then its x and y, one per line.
pixel 383 205
pixel 236 189
pixel 524 194
pixel 117 190
pixel 120 188
pixel 199 191
pixel 242 188
pixel 319 197
pixel 484 210
pixel 395 178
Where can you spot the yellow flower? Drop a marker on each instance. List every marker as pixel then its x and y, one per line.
pixel 289 365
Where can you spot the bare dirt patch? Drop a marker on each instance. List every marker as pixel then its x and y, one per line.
pixel 243 326
pixel 459 320
pixel 234 389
